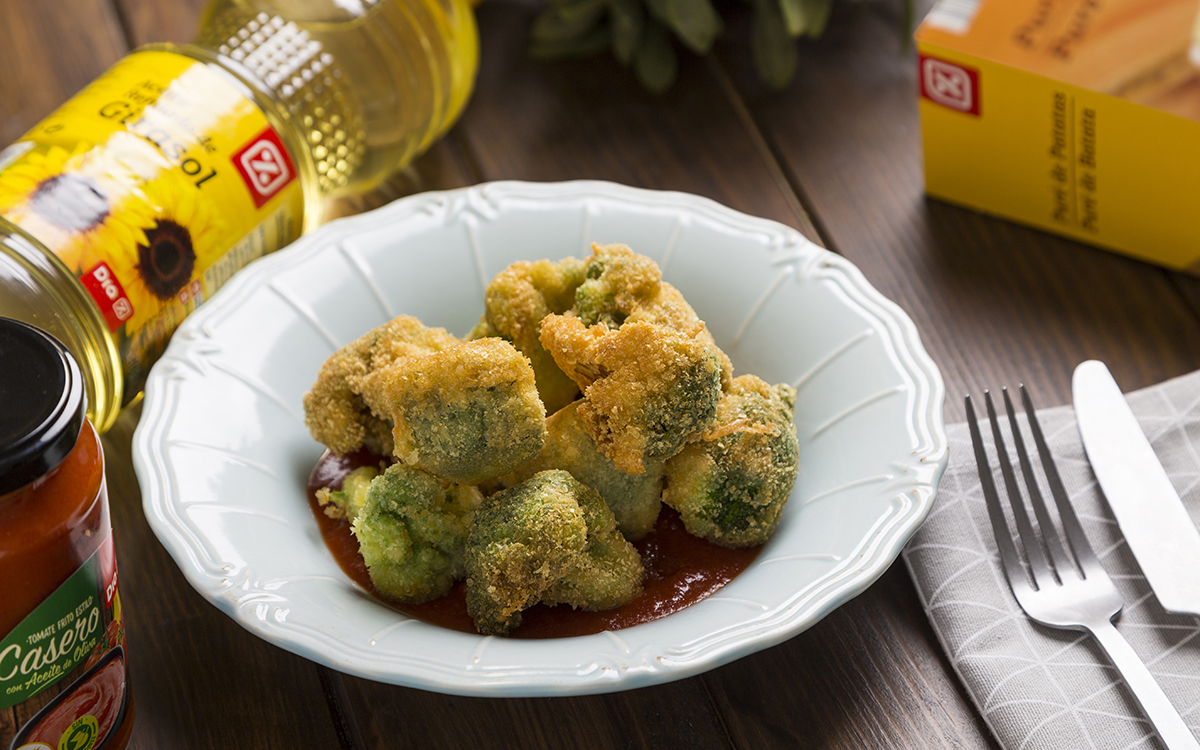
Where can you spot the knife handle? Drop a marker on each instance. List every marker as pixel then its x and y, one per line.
pixel 1166 720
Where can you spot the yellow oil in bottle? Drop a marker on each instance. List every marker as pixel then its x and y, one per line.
pixel 138 198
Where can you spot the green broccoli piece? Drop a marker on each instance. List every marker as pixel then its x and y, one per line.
pixel 350 499
pixel 468 413
pixel 609 572
pixel 646 387
pixel 516 302
pixel 730 485
pixel 334 409
pixel 617 281
pixel 550 539
pixel 634 499
pixel 411 532
pixel 621 286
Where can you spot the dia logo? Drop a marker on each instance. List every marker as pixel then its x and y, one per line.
pixel 950 85
pixel 264 166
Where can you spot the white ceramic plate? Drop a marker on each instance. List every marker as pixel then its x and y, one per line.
pixel 222 453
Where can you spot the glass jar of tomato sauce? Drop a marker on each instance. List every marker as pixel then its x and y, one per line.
pixel 63 675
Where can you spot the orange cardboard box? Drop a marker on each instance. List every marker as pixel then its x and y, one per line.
pixel 1079 117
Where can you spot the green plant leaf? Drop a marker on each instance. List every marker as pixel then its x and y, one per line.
pixel 775 55
pixel 655 63
pixel 805 17
pixel 695 22
pixel 795 16
pixel 659 9
pixel 818 17
pixel 626 18
pixel 563 21
pixel 589 43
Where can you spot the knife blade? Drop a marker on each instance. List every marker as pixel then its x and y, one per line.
pixel 1152 518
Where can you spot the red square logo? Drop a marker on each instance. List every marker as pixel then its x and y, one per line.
pixel 265 166
pixel 949 85
pixel 110 296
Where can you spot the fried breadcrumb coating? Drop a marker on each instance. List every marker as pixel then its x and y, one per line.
pixel 622 286
pixel 633 499
pixel 468 413
pixel 517 300
pixel 412 531
pixel 334 410
pixel 731 484
pixel 646 387
pixel 550 539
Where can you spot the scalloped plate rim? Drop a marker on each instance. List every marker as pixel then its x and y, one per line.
pixel 151 465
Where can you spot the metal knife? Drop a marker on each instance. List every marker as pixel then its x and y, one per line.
pixel 1151 516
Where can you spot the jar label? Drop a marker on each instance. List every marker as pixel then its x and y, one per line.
pixel 63 667
pixel 153 185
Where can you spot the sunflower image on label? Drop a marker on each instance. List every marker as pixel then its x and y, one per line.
pixel 153 185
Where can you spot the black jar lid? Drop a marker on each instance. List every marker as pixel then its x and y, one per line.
pixel 42 403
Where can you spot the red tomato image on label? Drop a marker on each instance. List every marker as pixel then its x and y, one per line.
pixel 85 713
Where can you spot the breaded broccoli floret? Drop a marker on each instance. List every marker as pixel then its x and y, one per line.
pixel 550 539
pixel 633 499
pixel 622 286
pixel 646 387
pixel 411 532
pixel 467 413
pixel 517 300
pixel 730 485
pixel 609 572
pixel 334 410
pixel 350 499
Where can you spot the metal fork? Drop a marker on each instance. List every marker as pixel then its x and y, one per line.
pixel 1069 589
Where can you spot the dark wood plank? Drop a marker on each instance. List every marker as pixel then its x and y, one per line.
pixel 147 21
pixel 669 716
pixel 48 51
pixel 996 303
pixel 869 675
pixel 199 680
pixel 588 119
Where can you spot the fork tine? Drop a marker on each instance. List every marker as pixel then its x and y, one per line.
pixel 1077 539
pixel 1058 555
pixel 1088 603
pixel 1017 579
pixel 1043 575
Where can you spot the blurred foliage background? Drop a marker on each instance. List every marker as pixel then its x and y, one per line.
pixel 645 34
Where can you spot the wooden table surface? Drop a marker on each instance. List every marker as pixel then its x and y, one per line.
pixel 838 156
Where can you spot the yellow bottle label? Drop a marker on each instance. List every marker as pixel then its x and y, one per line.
pixel 153 185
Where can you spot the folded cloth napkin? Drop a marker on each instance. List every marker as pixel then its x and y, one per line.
pixel 1038 687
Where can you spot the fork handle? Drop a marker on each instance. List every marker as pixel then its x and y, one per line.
pixel 1166 720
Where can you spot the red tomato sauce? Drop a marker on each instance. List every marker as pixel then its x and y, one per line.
pixel 49 527
pixel 98 695
pixel 680 570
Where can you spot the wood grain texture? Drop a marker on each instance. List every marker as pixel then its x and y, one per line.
pixel 838 156
pixel 48 51
pixel 147 21
pixel 868 676
pixel 589 119
pixel 677 715
pixel 996 303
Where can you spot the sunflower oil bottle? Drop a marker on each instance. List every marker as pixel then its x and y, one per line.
pixel 138 198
